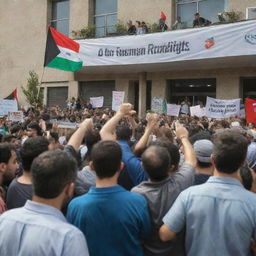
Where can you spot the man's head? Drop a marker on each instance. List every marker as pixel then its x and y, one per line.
pixel 156 161
pixel 123 133
pixel 179 19
pixel 53 173
pixel 106 159
pixel 8 160
pixel 197 15
pixel 33 129
pixel 32 148
pixel 229 151
pixel 53 139
pixel 203 149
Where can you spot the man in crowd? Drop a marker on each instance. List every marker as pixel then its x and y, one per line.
pixel 114 220
pixel 163 188
pixel 179 24
pixel 8 166
pixel 39 228
pixel 20 190
pixel 219 215
pixel 200 21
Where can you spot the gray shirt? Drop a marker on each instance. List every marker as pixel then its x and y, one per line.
pixel 39 229
pixel 161 196
pixel 84 181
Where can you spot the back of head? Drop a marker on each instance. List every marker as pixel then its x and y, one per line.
pixel 229 151
pixel 203 150
pixel 31 148
pixel 156 161
pixel 246 177
pixel 106 157
pixel 5 152
pixel 123 133
pixel 51 172
pixel 91 138
pixel 15 128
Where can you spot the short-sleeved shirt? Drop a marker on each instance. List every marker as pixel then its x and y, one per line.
pixel 161 196
pixel 114 221
pixel 220 218
pixel 18 193
pixel 39 229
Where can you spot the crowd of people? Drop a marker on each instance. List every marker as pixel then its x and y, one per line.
pixel 140 27
pixel 123 185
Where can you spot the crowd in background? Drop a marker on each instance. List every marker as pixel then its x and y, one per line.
pixel 156 185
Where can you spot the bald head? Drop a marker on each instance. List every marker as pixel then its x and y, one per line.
pixel 156 161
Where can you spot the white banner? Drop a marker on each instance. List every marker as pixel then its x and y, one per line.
pixel 157 105
pixel 7 106
pixel 197 111
pixel 16 116
pixel 67 125
pixel 235 39
pixel 97 102
pixel 117 99
pixel 173 109
pixel 216 108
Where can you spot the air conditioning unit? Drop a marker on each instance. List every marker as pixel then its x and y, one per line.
pixel 250 13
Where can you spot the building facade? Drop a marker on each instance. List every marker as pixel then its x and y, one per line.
pixel 24 26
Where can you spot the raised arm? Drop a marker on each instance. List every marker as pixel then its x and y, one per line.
pixel 108 130
pixel 77 138
pixel 189 153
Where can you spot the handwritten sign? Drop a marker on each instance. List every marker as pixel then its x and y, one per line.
pixel 197 111
pixel 97 102
pixel 117 99
pixel 16 116
pixel 7 106
pixel 157 105
pixel 173 109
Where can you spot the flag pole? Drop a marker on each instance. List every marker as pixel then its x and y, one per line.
pixel 39 86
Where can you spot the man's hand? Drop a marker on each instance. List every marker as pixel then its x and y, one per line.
pixel 126 109
pixel 152 120
pixel 87 124
pixel 181 131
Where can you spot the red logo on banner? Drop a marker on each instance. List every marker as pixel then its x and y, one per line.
pixel 209 43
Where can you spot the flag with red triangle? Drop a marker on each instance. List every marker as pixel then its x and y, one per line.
pixel 12 96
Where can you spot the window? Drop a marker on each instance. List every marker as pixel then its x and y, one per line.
pixel 208 9
pixel 60 16
pixel 105 17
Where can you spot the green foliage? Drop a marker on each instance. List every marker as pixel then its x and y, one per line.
pixel 232 16
pixel 33 96
pixel 153 28
pixel 86 32
pixel 121 29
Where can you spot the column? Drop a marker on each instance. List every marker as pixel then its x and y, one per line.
pixel 228 86
pixel 72 89
pixel 158 87
pixel 142 94
pixel 122 84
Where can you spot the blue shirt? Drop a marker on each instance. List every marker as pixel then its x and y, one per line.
pixel 114 221
pixel 39 229
pixel 132 164
pixel 220 218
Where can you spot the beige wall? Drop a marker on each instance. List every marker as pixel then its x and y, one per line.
pixel 144 10
pixel 240 5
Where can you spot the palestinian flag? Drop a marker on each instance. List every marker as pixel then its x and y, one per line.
pixel 61 52
pixel 12 96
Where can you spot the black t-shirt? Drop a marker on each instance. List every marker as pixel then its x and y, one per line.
pixel 201 22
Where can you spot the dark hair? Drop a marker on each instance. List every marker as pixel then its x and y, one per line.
pixel 123 133
pixel 156 161
pixel 55 136
pixel 246 176
pixel 91 138
pixel 5 152
pixel 203 165
pixel 229 151
pixel 197 13
pixel 203 135
pixel 51 172
pixel 8 138
pixel 15 128
pixel 35 126
pixel 106 157
pixel 31 148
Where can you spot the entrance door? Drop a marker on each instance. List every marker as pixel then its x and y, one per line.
pixel 57 96
pixel 249 87
pixel 195 89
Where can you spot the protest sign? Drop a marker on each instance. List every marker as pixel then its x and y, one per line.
pixel 97 102
pixel 197 111
pixel 16 116
pixel 157 105
pixel 173 110
pixel 7 106
pixel 216 108
pixel 67 125
pixel 117 99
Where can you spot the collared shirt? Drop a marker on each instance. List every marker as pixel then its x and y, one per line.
pixel 39 229
pixel 113 220
pixel 220 218
pixel 132 164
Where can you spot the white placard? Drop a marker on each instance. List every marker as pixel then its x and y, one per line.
pixel 216 108
pixel 157 105
pixel 16 116
pixel 97 102
pixel 7 106
pixel 117 99
pixel 197 111
pixel 234 39
pixel 173 109
pixel 67 125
